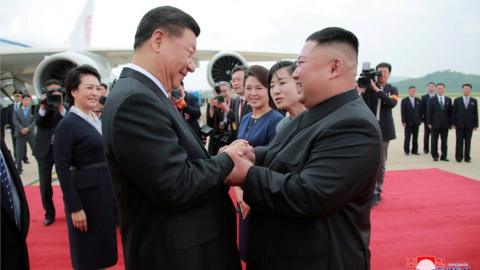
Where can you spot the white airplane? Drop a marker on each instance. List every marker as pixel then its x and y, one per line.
pixel 25 67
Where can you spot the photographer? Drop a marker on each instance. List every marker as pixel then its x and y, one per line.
pixel 50 112
pixel 188 107
pixel 221 118
pixel 381 97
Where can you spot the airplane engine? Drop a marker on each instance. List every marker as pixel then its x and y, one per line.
pixel 220 66
pixel 57 66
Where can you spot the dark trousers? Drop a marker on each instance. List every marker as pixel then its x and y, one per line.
pixel 21 148
pixel 426 138
pixel 443 134
pixel 45 166
pixel 411 132
pixel 464 138
pixel 383 161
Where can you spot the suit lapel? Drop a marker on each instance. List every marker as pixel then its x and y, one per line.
pixel 128 72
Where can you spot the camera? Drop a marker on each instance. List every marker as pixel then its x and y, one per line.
pixel 206 130
pixel 220 98
pixel 367 75
pixel 51 99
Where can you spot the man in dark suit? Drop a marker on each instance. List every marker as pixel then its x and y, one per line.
pixel 15 216
pixel 431 88
pixel 17 103
pixel 24 123
pixel 411 118
pixel 175 212
pixel 465 120
pixel 188 106
pixel 439 120
pixel 47 117
pixel 311 189
pixel 240 104
pixel 381 97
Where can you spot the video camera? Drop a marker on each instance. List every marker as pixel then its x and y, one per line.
pixel 52 100
pixel 367 75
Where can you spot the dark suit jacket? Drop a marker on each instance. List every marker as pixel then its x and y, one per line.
pixel 438 117
pixel 14 246
pixel 411 116
pixel 425 102
pixel 465 117
pixel 386 105
pixel 236 109
pixel 192 109
pixel 311 195
pixel 174 207
pixel 45 129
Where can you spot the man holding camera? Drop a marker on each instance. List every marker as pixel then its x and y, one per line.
pixel 381 97
pixel 221 118
pixel 50 113
pixel 188 107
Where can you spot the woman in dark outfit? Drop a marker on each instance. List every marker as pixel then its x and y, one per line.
pixel 83 175
pixel 258 128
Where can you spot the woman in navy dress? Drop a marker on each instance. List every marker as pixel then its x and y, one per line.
pixel 83 175
pixel 258 128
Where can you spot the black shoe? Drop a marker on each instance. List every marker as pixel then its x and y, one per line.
pixel 425 151
pixel 406 153
pixel 49 221
pixel 459 160
pixel 435 159
pixel 26 161
pixel 444 159
pixel 467 160
pixel 416 153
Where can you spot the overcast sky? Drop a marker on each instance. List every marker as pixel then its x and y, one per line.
pixel 417 37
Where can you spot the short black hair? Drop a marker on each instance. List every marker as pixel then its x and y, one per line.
pixel 467 84
pixel 279 65
pixel 385 65
pixel 430 83
pixel 335 35
pixel 104 85
pixel 412 86
pixel 441 83
pixel 170 19
pixel 74 77
pixel 239 68
pixel 53 81
pixel 261 74
pixel 26 96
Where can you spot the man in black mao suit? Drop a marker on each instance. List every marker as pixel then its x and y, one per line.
pixel 439 120
pixel 175 212
pixel 431 88
pixel 310 190
pixel 411 119
pixel 464 120
pixel 15 215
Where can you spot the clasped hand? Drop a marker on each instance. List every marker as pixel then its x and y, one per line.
pixel 243 158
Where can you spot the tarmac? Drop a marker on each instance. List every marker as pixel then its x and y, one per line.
pixel 396 160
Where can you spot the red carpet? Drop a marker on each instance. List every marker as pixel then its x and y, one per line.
pixel 423 212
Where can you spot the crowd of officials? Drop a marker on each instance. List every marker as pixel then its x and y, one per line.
pixel 280 137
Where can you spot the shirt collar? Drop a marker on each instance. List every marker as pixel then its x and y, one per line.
pixel 149 75
pixel 96 123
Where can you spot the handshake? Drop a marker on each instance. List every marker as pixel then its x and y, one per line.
pixel 243 158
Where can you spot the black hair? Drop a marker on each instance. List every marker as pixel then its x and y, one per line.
pixel 74 77
pixel 385 65
pixel 239 68
pixel 104 85
pixel 467 84
pixel 26 96
pixel 279 65
pixel 53 81
pixel 430 83
pixel 170 19
pixel 335 35
pixel 261 73
pixel 441 83
pixel 412 86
